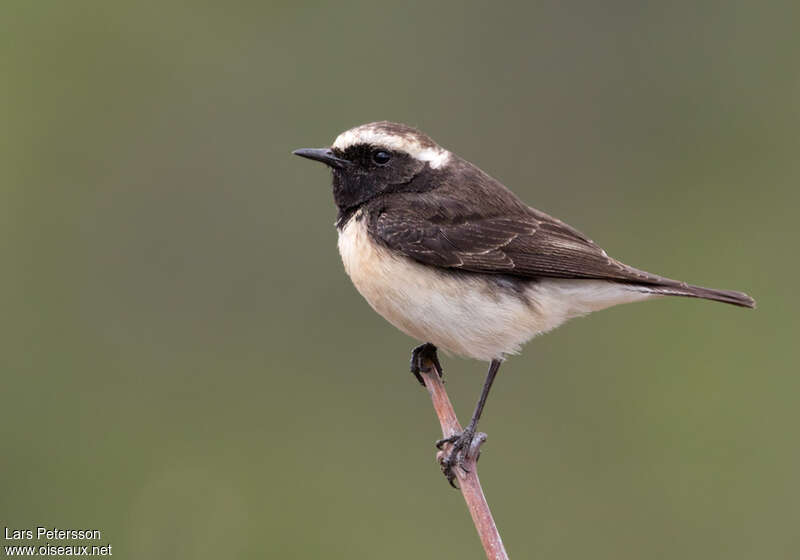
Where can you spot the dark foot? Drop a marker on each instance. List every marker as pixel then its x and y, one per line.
pixel 420 356
pixel 464 445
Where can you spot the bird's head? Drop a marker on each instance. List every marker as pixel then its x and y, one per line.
pixel 379 158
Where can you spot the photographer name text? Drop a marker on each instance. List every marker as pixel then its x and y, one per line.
pixel 54 534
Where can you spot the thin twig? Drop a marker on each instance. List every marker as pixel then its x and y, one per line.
pixel 468 481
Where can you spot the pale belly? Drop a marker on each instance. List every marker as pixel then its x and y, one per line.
pixel 473 315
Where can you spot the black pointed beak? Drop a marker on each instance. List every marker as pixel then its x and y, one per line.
pixel 325 155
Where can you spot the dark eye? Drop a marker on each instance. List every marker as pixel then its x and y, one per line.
pixel 381 157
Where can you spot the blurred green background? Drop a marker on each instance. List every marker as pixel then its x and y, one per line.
pixel 186 367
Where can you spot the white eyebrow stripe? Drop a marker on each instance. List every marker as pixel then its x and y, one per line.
pixel 435 156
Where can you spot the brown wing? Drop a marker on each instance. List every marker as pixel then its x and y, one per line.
pixel 527 244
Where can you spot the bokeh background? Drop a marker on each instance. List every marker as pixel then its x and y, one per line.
pixel 186 367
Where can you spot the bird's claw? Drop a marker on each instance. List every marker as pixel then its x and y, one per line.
pixel 421 356
pixel 440 442
pixel 464 446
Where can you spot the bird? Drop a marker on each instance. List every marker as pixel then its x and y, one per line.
pixel 453 258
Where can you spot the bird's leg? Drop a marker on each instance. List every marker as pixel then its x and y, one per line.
pixel 461 443
pixel 420 356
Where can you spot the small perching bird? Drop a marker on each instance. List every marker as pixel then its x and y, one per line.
pixel 451 257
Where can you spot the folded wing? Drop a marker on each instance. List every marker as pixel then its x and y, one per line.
pixel 530 244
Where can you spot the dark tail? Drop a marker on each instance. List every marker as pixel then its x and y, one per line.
pixel 687 290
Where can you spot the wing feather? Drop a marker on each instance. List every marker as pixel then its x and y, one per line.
pixel 527 244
